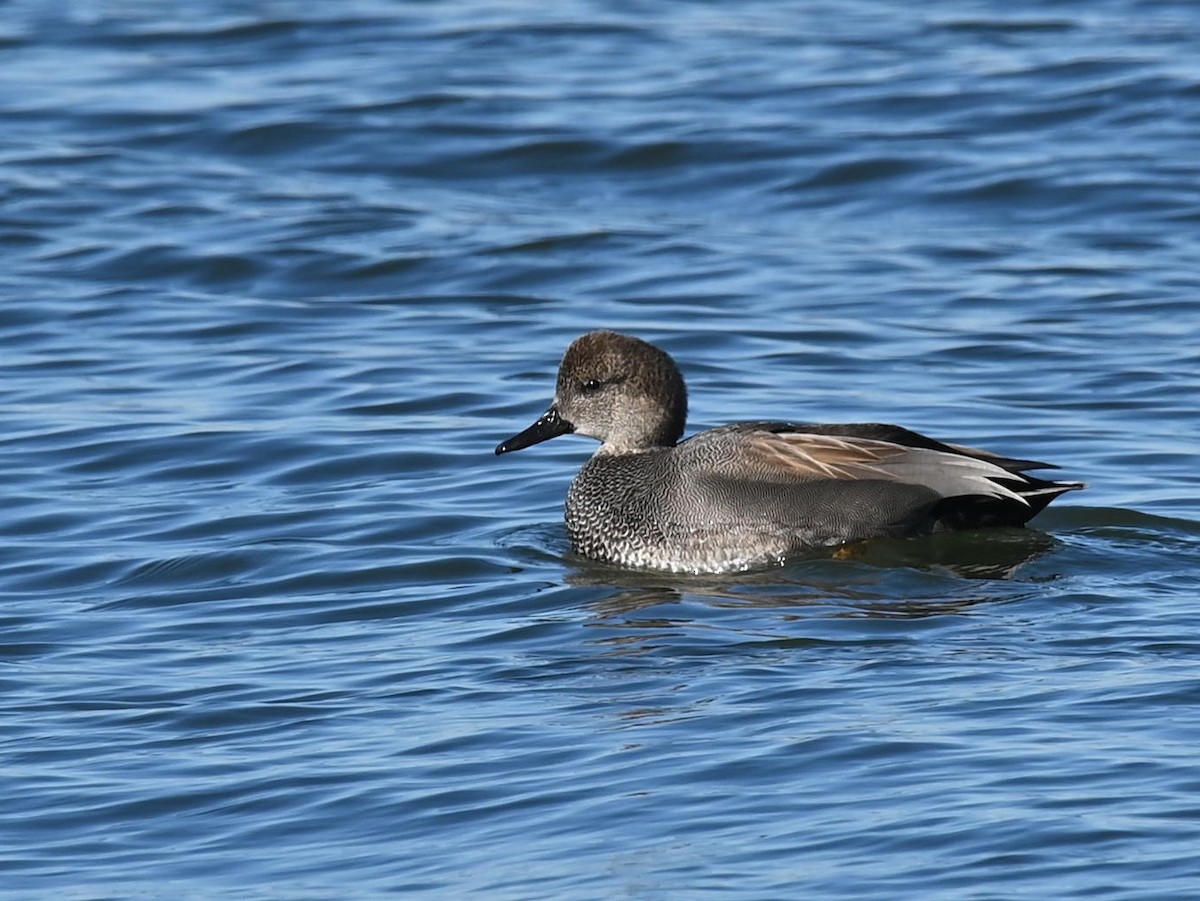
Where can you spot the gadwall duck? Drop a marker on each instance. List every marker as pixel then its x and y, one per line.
pixel 752 493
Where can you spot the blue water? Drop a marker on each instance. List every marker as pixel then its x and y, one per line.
pixel 276 624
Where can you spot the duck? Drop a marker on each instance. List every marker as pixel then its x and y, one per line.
pixel 756 493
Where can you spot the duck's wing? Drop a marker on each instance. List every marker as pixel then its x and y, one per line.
pixel 895 434
pixel 783 454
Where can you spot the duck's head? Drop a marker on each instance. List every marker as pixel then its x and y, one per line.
pixel 615 388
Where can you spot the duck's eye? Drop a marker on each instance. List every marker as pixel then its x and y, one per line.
pixel 590 386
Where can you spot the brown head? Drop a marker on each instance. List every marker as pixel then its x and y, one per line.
pixel 618 389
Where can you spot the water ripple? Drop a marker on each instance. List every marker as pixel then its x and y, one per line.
pixel 276 618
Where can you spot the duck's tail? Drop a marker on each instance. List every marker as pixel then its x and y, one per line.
pixel 979 511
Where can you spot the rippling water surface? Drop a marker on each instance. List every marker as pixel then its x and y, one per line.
pixel 276 622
